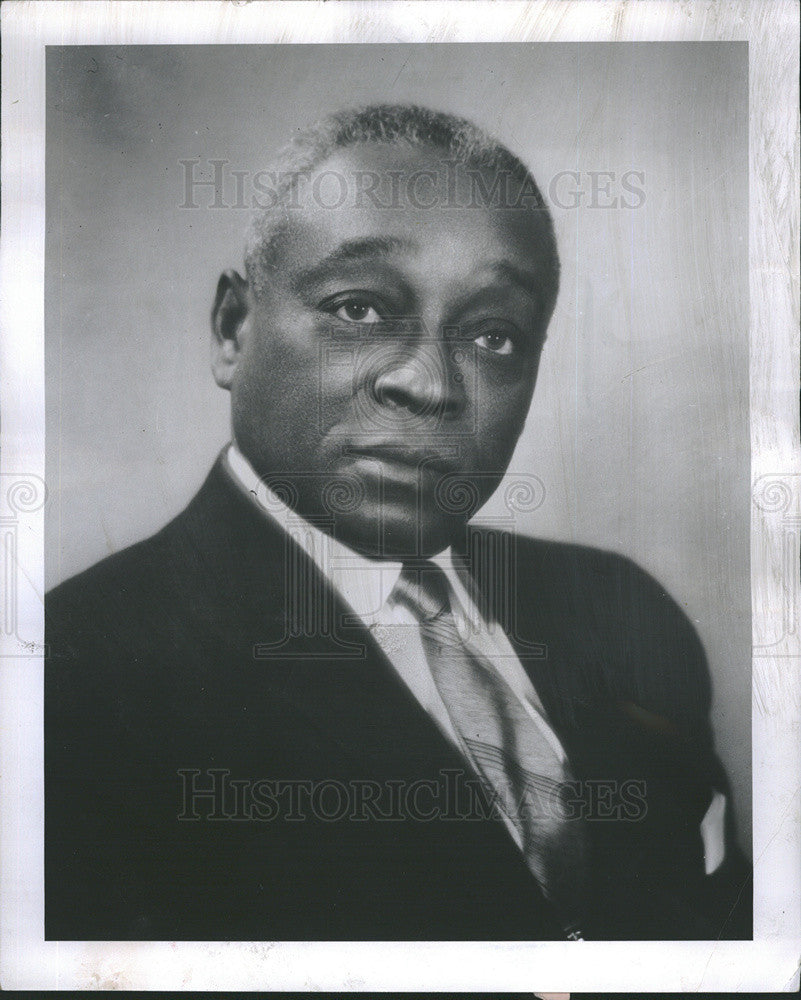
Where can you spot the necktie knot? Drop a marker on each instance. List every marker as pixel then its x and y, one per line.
pixel 424 588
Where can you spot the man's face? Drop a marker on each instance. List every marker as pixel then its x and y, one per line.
pixel 386 370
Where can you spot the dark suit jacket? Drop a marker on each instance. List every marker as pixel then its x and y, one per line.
pixel 178 664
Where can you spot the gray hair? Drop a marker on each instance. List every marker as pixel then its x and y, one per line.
pixel 459 139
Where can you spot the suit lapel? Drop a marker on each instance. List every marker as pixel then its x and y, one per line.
pixel 333 676
pixel 532 597
pixel 255 577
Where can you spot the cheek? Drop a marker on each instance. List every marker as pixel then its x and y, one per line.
pixel 278 362
pixel 300 381
pixel 500 408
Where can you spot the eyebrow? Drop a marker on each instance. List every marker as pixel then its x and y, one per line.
pixel 526 280
pixel 351 251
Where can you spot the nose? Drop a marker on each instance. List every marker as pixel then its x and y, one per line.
pixel 422 380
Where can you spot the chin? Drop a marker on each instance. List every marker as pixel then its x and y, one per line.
pixel 396 536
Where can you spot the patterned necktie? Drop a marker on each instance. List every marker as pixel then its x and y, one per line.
pixel 518 765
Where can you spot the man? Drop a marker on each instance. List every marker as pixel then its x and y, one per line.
pixel 318 705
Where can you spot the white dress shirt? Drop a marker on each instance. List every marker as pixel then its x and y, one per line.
pixel 366 585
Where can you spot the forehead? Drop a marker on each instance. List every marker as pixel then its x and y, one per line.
pixel 432 210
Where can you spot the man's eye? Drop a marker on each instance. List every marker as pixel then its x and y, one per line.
pixel 498 343
pixel 357 311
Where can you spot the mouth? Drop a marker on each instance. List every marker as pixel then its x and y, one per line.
pixel 398 455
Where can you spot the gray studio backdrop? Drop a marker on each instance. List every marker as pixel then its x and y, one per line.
pixel 639 432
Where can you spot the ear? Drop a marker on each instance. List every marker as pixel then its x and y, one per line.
pixel 229 316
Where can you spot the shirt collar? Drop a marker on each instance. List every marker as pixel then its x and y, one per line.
pixel 366 584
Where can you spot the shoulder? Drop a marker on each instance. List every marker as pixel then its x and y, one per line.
pixel 606 581
pixel 612 625
pixel 136 590
pixel 575 574
pixel 196 576
pixel 151 571
pixel 631 609
pixel 111 601
pixel 119 576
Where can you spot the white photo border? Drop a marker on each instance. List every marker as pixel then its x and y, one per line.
pixel 770 961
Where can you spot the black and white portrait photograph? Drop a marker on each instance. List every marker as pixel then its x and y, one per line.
pixel 408 464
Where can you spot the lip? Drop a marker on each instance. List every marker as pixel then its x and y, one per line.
pixel 411 458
